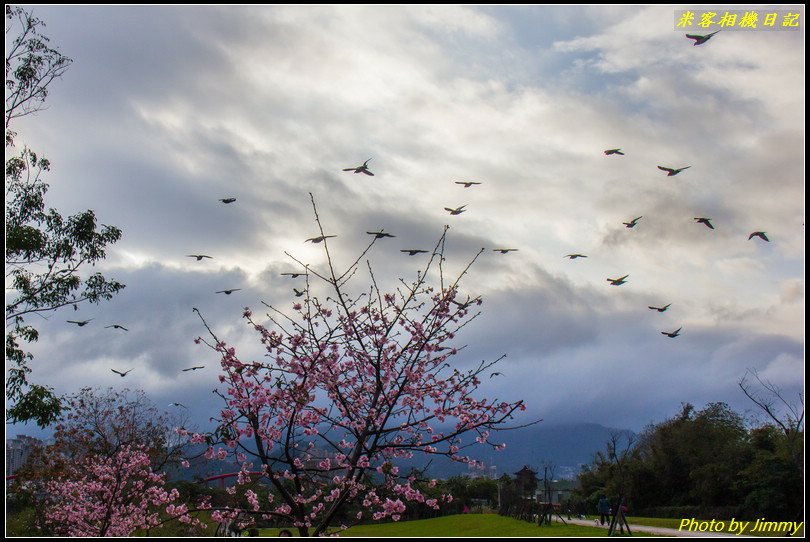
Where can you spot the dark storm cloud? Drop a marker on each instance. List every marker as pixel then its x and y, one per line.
pixel 168 109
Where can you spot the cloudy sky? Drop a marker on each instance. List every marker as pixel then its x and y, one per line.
pixel 165 110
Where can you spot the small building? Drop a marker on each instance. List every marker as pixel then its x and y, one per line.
pixel 559 491
pixel 526 481
pixel 17 451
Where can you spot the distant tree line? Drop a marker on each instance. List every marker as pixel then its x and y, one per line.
pixel 704 463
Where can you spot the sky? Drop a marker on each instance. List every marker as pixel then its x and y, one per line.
pixel 166 110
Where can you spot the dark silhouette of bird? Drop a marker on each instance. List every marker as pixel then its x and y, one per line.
pixel 293 275
pixel 116 326
pixel 299 293
pixel 194 368
pixel 495 374
pixel 361 169
pixel 467 184
pixel 198 256
pixel 413 251
pixel 466 303
pixel 80 323
pixel 660 309
pixel 706 221
pixel 125 373
pixel 320 238
pixel 380 234
pixel 632 223
pixel 671 172
pixel 178 405
pixel 618 281
pixel 673 334
pixel 700 39
pixel 228 292
pixel 760 234
pixel 228 200
pixel 504 250
pixel 456 211
pixel 574 256
pixel 614 151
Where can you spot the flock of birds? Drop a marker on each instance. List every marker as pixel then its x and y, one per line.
pixel 453 211
pixel 634 222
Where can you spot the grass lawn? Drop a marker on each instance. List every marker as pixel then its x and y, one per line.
pixel 467 525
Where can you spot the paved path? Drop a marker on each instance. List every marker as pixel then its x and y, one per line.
pixel 646 529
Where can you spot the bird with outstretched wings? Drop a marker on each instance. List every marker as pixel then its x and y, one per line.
pixel 672 171
pixel 80 323
pixel 704 220
pixel 456 211
pixel 360 169
pixel 699 40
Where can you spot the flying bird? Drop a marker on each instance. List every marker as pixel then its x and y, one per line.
pixel 361 169
pixel 125 373
pixel 504 250
pixel 574 256
pixel 228 292
pixel 413 251
pixel 619 281
pixel 319 239
pixel 614 151
pixel 671 172
pixel 660 309
pixel 706 221
pixel 673 334
pixel 632 223
pixel 198 256
pixel 760 234
pixel 466 304
pixel 116 326
pixel 178 405
pixel 80 323
pixel 495 374
pixel 228 200
pixel 380 234
pixel 293 275
pixel 299 293
pixel 700 39
pixel 194 368
pixel 456 211
pixel 467 184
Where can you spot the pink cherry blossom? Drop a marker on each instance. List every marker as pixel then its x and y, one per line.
pixel 109 496
pixel 352 384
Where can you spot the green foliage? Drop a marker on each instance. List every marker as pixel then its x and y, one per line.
pixel 702 464
pixel 44 250
pixel 31 65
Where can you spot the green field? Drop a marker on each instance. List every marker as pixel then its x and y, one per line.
pixel 466 525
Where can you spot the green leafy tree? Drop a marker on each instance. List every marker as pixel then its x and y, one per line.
pixel 44 250
pixel 703 463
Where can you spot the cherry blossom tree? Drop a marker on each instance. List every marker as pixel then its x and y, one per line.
pixel 110 496
pixel 100 475
pixel 101 422
pixel 350 385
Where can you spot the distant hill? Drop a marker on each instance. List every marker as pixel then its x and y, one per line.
pixel 567 446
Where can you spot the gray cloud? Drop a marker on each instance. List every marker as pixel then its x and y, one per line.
pixel 167 109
